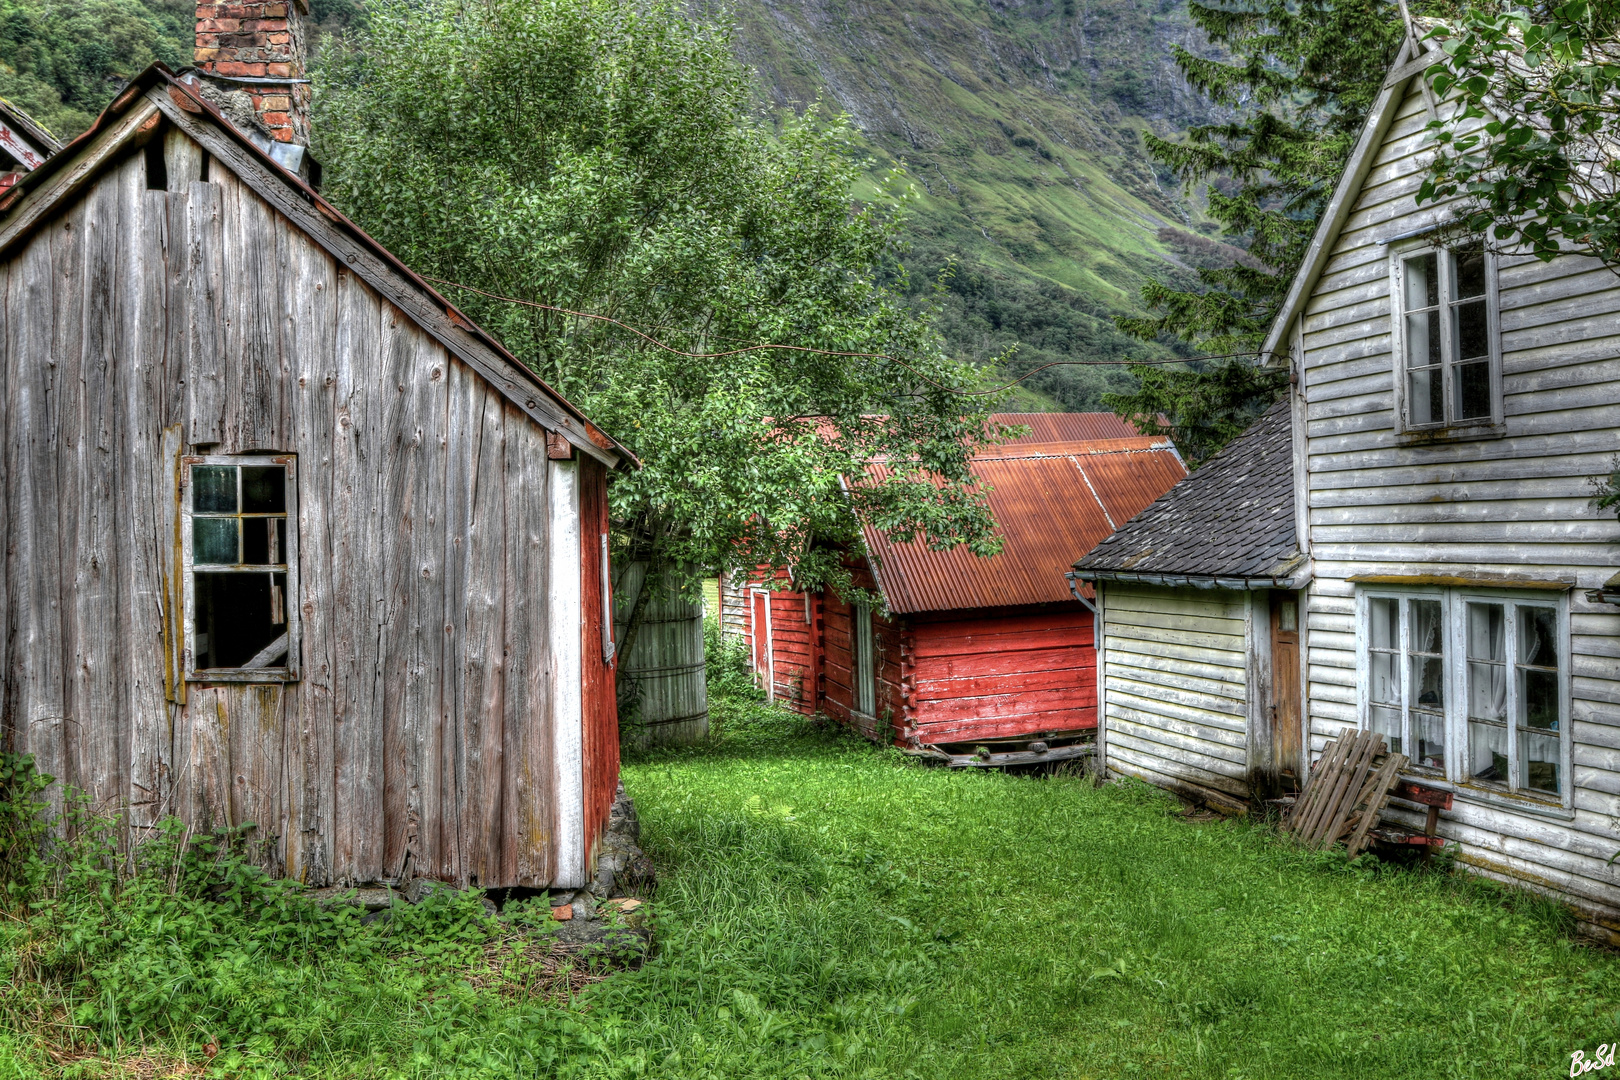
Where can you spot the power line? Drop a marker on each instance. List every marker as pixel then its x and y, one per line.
pixel 760 347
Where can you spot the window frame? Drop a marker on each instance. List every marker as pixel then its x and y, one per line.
pixel 1447 264
pixel 193 674
pixel 1454 602
pixel 862 660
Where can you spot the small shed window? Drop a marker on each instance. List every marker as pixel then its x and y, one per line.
pixel 1447 352
pixel 865 660
pixel 239 548
pixel 1483 674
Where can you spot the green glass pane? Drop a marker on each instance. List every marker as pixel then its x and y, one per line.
pixel 213 541
pixel 213 489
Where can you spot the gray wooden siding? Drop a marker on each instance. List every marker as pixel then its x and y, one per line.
pixel 136 321
pixel 1511 505
pixel 1175 679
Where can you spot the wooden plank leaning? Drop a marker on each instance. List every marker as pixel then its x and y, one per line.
pixel 1316 783
pixel 1348 785
pixel 1380 784
pixel 1324 785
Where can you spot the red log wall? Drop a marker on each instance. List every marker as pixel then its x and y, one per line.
pixel 1026 672
pixel 598 697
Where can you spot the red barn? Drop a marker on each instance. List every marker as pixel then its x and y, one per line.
pixel 969 653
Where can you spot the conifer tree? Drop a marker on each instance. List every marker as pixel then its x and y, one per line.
pixel 1301 78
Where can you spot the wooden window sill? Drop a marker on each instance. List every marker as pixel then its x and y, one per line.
pixel 1438 436
pixel 1497 800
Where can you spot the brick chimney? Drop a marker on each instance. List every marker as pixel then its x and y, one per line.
pixel 257 47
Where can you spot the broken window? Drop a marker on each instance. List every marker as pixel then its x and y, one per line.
pixel 239 546
pixel 1483 673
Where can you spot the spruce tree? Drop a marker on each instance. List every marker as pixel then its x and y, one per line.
pixel 1301 77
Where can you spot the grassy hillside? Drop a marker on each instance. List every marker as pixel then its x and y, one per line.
pixel 1020 123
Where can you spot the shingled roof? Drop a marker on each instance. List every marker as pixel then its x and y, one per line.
pixel 1232 521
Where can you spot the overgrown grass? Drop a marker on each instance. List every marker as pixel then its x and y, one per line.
pixel 828 909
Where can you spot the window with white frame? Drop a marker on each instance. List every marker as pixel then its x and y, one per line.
pixel 865 660
pixel 1473 686
pixel 1446 337
pixel 239 548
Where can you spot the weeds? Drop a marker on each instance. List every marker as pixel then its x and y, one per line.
pixel 826 909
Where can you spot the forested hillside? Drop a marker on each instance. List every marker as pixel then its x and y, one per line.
pixel 1020 123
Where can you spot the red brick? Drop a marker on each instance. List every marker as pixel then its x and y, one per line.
pixel 275 119
pixel 274 11
pixel 564 913
pixel 240 69
pixel 279 103
pixel 278 39
pixel 203 56
pixel 279 71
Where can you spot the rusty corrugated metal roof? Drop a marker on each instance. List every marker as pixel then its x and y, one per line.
pixel 1068 427
pixel 1051 501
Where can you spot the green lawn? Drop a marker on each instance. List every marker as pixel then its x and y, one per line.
pixel 828 909
pixel 831 909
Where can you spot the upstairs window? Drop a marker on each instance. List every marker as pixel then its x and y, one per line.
pixel 239 548
pixel 1448 362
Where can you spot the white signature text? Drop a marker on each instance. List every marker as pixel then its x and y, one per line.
pixel 1602 1058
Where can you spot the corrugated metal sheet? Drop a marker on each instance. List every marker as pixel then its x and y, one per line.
pixel 1068 427
pixel 1050 501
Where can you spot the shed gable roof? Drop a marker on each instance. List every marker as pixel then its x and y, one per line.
pixel 157 93
pixel 1233 518
pixel 1049 499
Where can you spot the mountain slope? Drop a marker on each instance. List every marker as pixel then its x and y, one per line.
pixel 1020 123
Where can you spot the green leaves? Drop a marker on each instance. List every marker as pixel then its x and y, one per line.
pixel 1537 173
pixel 1303 76
pixel 604 157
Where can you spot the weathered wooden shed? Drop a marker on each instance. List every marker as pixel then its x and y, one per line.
pixel 1452 402
pixel 1198 606
pixel 289 541
pixel 968 652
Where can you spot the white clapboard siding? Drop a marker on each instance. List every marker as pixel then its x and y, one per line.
pixel 1175 687
pixel 1518 505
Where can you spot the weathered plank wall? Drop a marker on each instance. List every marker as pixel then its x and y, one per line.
pixel 419 738
pixel 890 638
pixel 733 605
pixel 1020 673
pixel 1509 505
pixel 1175 686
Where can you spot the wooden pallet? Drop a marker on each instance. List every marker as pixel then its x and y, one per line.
pixel 1346 792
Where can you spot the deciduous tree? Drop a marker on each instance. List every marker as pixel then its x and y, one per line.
pixel 600 156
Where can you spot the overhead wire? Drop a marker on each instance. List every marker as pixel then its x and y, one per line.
pixel 760 347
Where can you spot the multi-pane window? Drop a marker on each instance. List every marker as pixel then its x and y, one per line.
pixel 1484 674
pixel 1445 335
pixel 1407 678
pixel 1514 713
pixel 238 542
